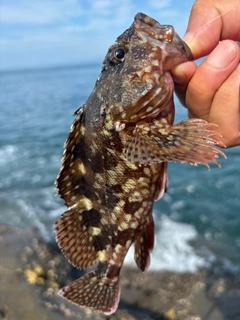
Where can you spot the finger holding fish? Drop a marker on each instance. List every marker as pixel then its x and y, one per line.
pixel 210 22
pixel 211 90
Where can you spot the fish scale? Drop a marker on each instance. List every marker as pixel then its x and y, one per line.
pixel 115 160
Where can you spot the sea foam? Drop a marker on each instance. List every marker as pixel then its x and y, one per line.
pixel 172 250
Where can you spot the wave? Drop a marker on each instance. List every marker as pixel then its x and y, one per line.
pixel 172 250
pixel 8 153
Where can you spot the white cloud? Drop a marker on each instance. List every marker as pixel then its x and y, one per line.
pixel 169 14
pixel 103 7
pixel 56 11
pixel 71 30
pixel 164 9
pixel 39 12
pixel 160 4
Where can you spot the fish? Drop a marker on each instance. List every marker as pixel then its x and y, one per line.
pixel 115 161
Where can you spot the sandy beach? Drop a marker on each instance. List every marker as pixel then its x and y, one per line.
pixel 31 271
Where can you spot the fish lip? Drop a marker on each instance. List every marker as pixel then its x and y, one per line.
pixel 151 28
pixel 148 27
pixel 185 47
pixel 146 20
pixel 188 51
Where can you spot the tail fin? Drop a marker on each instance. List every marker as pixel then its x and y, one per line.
pixel 97 292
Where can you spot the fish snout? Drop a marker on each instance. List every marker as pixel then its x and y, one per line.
pixel 183 46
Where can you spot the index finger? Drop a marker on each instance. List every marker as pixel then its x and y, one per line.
pixel 211 21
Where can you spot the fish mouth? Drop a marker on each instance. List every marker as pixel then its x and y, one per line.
pixel 160 35
pixel 153 28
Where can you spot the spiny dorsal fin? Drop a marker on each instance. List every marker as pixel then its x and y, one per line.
pixel 73 167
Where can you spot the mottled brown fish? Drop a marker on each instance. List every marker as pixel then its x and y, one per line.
pixel 115 161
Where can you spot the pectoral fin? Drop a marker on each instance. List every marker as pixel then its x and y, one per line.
pixel 189 141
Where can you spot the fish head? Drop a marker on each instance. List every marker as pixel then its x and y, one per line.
pixel 174 49
pixel 135 78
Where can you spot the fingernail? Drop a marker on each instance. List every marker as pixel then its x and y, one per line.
pixel 222 55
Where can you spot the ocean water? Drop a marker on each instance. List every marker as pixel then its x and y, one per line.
pixel 197 221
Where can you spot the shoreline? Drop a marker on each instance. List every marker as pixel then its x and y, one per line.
pixel 31 271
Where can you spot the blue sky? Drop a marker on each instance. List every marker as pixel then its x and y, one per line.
pixel 39 33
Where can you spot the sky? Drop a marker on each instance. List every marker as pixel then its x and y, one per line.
pixel 42 33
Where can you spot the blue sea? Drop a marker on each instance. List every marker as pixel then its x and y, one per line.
pixel 197 221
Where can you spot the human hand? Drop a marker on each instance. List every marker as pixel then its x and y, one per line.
pixel 211 90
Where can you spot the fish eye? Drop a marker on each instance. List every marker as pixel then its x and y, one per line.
pixel 119 54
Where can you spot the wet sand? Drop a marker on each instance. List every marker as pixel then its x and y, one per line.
pixel 31 272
